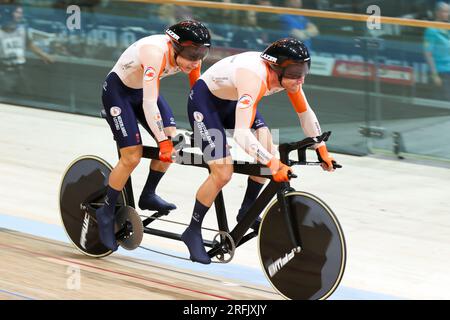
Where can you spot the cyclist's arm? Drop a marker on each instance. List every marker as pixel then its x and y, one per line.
pixel 194 75
pixel 153 61
pixel 250 90
pixel 308 119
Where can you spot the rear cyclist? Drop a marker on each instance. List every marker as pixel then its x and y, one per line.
pixel 226 97
pixel 131 94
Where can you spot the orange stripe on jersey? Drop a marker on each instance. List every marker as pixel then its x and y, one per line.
pixel 171 61
pixel 194 75
pixel 261 93
pixel 267 76
pixel 163 66
pixel 298 101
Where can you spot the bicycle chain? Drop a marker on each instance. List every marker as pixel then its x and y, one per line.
pixel 183 224
pixel 176 222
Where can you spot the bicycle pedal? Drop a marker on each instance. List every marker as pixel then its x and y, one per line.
pixel 162 213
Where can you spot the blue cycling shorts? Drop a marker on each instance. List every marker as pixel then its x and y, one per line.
pixel 124 110
pixel 209 117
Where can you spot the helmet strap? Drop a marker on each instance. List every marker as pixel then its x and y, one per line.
pixel 280 78
pixel 175 52
pixel 278 72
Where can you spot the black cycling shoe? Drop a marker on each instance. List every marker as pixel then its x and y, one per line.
pixel 194 242
pixel 153 202
pixel 106 223
pixel 255 225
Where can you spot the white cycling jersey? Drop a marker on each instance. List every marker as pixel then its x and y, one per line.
pixel 142 65
pixel 245 78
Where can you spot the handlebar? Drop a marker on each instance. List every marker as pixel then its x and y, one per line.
pixel 180 142
pixel 301 146
pixel 292 175
pixel 312 163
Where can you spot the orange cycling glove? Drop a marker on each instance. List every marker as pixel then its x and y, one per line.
pixel 325 158
pixel 279 170
pixel 165 150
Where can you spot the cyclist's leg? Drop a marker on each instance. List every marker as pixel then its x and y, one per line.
pixel 149 200
pixel 255 184
pixel 209 135
pixel 122 121
pixel 220 174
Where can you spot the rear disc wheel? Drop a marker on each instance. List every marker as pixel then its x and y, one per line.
pixel 85 176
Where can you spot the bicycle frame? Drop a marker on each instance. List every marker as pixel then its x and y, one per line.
pixel 238 234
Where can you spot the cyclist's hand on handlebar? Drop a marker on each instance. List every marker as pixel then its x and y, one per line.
pixel 325 159
pixel 279 170
pixel 166 150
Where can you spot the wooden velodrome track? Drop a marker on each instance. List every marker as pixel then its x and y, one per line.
pixel 46 269
pixel 394 214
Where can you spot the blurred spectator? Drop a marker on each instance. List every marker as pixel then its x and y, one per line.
pixel 172 13
pixel 221 22
pixel 323 5
pixel 437 53
pixel 269 22
pixel 14 41
pixel 228 16
pixel 250 35
pixel 264 2
pixel 298 26
pixel 165 12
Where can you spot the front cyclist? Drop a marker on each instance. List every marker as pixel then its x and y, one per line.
pixel 131 94
pixel 226 97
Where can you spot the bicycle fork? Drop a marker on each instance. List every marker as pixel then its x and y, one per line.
pixel 274 266
pixel 293 232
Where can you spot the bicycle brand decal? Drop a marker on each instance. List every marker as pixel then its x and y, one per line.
pixel 84 231
pixel 173 34
pixel 267 57
pixel 276 266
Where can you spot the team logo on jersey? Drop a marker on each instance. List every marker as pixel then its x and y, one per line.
pixel 149 74
pixel 245 101
pixel 158 117
pixel 115 111
pixel 269 58
pixel 198 116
